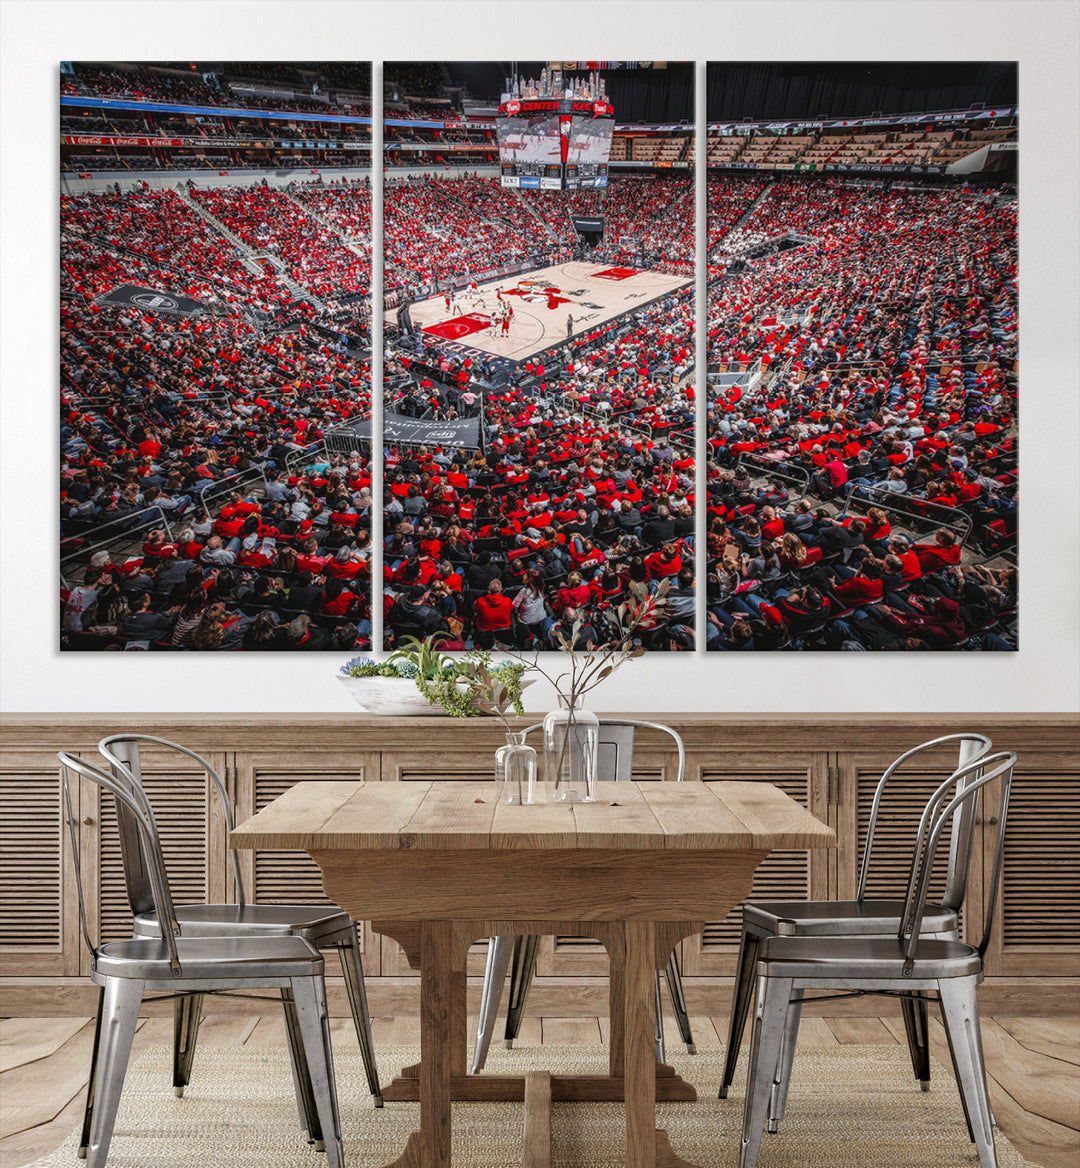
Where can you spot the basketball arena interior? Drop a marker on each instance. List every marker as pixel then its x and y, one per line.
pixel 833 469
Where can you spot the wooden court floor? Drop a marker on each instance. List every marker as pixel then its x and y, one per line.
pixel 1033 1066
pixel 543 301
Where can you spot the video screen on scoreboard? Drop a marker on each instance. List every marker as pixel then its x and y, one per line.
pixel 590 141
pixel 530 140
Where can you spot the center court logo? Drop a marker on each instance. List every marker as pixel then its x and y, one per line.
pixel 539 292
pixel 154 301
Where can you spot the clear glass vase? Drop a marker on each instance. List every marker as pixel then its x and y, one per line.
pixel 571 741
pixel 515 771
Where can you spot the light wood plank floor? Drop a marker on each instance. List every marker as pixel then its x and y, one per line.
pixel 1033 1064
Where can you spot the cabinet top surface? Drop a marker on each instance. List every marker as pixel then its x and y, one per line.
pixel 461 815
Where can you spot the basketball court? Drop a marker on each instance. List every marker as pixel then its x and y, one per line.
pixel 543 301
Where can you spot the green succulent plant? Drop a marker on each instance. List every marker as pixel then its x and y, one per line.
pixel 465 686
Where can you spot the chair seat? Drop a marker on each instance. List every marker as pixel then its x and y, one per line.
pixel 865 958
pixel 313 922
pixel 840 918
pixel 208 958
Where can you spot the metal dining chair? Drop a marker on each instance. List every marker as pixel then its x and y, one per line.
pixel 171 963
pixel 322 926
pixel 518 953
pixel 908 963
pixel 863 916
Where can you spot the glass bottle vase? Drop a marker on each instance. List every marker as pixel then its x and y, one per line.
pixel 571 742
pixel 515 771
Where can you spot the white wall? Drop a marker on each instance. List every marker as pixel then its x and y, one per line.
pixel 1044 675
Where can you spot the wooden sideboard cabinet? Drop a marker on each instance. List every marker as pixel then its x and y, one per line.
pixel 830 764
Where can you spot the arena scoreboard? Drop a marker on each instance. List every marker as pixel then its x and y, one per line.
pixel 554 144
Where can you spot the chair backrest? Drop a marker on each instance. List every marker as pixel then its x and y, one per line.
pixel 140 817
pixel 961 790
pixel 615 755
pixel 121 752
pixel 971 748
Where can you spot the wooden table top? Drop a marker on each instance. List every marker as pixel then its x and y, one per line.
pixel 456 815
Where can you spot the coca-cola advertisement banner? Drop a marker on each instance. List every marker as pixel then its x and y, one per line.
pixel 114 140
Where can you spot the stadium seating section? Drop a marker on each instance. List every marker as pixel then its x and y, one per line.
pixel 861 479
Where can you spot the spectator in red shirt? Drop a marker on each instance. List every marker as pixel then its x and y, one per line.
pixel 573 594
pixel 493 615
pixel 942 552
pixel 900 546
pixel 832 476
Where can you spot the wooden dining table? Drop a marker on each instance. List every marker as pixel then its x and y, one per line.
pixel 439 865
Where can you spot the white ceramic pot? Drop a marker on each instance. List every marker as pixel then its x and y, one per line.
pixel 394 696
pixel 388 695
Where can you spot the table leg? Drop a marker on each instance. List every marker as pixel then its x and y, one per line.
pixel 436 1040
pixel 442 1037
pixel 639 1051
pixel 646 1146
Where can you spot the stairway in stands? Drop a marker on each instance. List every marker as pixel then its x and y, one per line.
pixel 535 214
pixel 245 251
pixel 743 218
pixel 351 242
pixel 250 256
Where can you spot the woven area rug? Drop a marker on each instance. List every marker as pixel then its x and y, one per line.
pixel 849 1107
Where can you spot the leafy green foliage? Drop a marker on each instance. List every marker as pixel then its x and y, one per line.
pixel 465 687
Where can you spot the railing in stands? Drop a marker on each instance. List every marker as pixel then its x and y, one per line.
pixel 298 457
pixel 97 544
pixel 914 509
pixel 798 475
pixel 94 539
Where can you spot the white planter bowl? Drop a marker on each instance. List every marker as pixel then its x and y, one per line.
pixel 394 696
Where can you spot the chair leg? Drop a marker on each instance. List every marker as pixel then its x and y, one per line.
pixel 309 994
pixel 956 1074
pixel 767 1036
pixel 960 1014
pixel 782 1079
pixel 498 960
pixel 960 1011
pixel 658 1016
pixel 982 1063
pixel 522 968
pixel 918 1037
pixel 187 1014
pixel 88 1110
pixel 301 1077
pixel 745 976
pixel 120 1016
pixel 673 975
pixel 353 969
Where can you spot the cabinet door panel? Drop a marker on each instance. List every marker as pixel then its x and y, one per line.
pixel 39 912
pixel 1037 925
pixel 782 875
pixel 291 877
pixel 434 765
